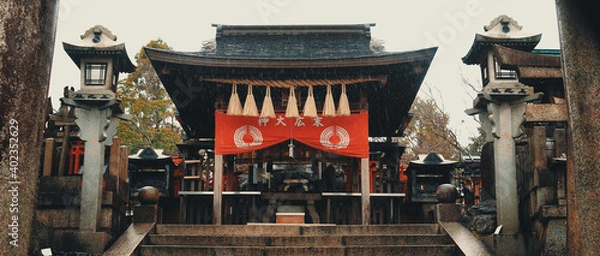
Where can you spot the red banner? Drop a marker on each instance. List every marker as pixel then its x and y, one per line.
pixel 342 135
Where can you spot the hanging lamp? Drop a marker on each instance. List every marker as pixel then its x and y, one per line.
pixel 291 148
pixel 343 105
pixel 310 107
pixel 329 106
pixel 234 108
pixel 267 106
pixel 292 106
pixel 250 105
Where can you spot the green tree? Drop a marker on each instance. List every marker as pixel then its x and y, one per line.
pixel 429 132
pixel 146 100
pixel 477 142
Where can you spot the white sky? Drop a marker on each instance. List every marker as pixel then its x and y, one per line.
pixel 402 25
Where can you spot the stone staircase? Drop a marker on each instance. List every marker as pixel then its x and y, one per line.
pixel 290 240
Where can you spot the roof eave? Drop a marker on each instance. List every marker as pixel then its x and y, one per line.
pixel 513 57
pixel 116 51
pixel 474 56
pixel 219 61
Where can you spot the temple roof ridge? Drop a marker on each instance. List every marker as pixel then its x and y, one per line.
pixel 301 30
pixel 285 42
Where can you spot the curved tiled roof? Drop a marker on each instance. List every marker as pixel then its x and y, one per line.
pixel 301 54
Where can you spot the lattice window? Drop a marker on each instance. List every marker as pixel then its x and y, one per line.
pixel 95 73
pixel 503 73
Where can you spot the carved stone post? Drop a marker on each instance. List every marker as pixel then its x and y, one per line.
pixel 92 124
pixel 502 119
pixel 506 120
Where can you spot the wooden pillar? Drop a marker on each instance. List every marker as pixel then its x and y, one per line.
pixel 124 163
pixel 229 174
pixel 228 186
pixel 112 182
pixel 560 149
pixel 122 185
pixel 48 155
pixel 218 190
pixel 365 191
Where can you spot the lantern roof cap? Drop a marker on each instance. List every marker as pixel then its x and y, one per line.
pixel 432 158
pixel 502 30
pixel 150 153
pixel 98 41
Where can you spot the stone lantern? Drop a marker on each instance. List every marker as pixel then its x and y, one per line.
pixel 100 58
pixel 501 109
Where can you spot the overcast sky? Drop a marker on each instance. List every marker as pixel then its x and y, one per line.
pixel 403 26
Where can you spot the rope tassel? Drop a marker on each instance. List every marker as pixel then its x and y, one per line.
pixel 250 105
pixel 292 106
pixel 343 105
pixel 310 107
pixel 234 108
pixel 267 106
pixel 329 106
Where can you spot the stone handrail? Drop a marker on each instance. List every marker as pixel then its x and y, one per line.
pixel 130 240
pixel 466 242
pixel 449 217
pixel 144 220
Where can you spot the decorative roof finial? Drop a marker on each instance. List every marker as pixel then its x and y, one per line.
pixel 97 31
pixel 504 21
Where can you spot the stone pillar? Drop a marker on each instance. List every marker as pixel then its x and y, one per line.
pixel 96 124
pixel 26 49
pixel 580 47
pixel 92 124
pixel 365 188
pixel 505 114
pixel 506 121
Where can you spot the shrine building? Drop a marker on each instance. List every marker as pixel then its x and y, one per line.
pixel 279 108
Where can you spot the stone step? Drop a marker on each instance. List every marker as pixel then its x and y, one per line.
pixel 297 230
pixel 170 250
pixel 330 240
pixel 290 240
